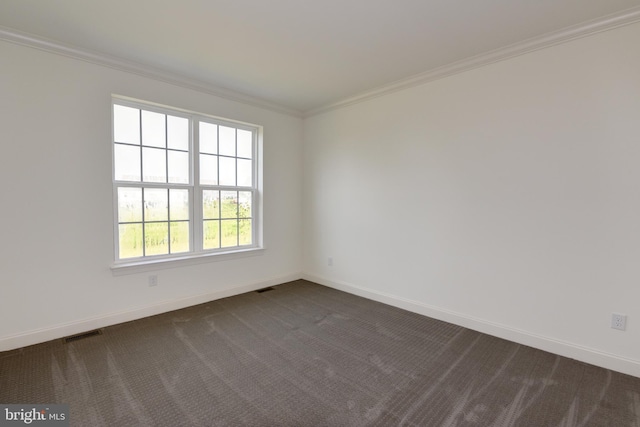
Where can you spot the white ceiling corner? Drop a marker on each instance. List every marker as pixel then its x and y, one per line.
pixel 298 57
pixel 584 29
pixel 133 67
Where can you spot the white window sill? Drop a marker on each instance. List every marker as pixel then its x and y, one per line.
pixel 140 266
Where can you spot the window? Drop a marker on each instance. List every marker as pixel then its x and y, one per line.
pixel 184 184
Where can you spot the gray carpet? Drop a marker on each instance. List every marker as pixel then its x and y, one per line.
pixel 306 355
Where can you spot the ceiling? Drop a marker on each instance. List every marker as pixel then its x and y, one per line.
pixel 298 54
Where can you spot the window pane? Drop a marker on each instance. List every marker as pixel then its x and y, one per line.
pixel 244 204
pixel 178 204
pixel 153 129
pixel 130 240
pixel 211 237
pixel 126 162
pixel 227 171
pixel 245 143
pixel 244 173
pixel 157 179
pixel 154 165
pixel 229 232
pixel 229 204
pixel 178 167
pixel 179 237
pixel 156 238
pixel 227 141
pixel 245 232
pixel 129 204
pixel 208 138
pixel 210 204
pixel 208 169
pixel 126 124
pixel 178 133
pixel 155 204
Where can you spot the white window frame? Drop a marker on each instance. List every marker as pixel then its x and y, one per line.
pixel 197 254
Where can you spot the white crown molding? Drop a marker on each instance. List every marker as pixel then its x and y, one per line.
pixel 588 28
pixel 584 29
pixel 18 37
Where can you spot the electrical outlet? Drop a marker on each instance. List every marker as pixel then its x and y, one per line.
pixel 153 280
pixel 330 261
pixel 619 321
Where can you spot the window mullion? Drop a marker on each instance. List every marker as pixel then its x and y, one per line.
pixel 166 148
pixel 144 225
pixel 141 150
pixel 169 220
pixel 196 193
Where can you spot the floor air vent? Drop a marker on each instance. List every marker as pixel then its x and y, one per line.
pixel 265 290
pixel 83 335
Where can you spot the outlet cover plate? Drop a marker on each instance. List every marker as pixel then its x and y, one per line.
pixel 619 321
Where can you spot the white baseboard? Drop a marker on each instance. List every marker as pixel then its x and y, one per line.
pixel 562 348
pixel 71 328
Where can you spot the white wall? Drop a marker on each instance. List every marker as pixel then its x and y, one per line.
pixel 506 198
pixel 57 212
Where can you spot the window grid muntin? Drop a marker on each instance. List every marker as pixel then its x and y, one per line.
pixel 237 218
pixel 144 221
pixel 196 221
